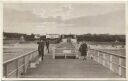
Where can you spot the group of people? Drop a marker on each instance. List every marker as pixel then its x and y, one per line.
pixel 41 45
pixel 83 48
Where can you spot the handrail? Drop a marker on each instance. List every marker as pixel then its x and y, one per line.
pixel 19 66
pixel 115 63
pixel 19 57
pixel 109 53
pixel 110 62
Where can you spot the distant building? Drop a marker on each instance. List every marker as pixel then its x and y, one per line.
pixel 37 36
pixel 72 37
pixel 52 36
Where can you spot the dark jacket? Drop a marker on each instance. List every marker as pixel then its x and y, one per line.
pixel 83 49
pixel 41 46
pixel 47 43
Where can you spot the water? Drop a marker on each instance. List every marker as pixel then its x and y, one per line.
pixel 13 50
pixel 121 52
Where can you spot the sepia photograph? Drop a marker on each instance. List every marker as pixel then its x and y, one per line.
pixel 64 40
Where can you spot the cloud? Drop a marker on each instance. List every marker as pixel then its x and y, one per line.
pixel 109 19
pixel 15 16
pixel 113 22
pixel 65 17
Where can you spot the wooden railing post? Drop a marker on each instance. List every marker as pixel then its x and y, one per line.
pixel 32 57
pixel 98 58
pixel 95 57
pixel 120 67
pixel 5 71
pixel 104 59
pixel 53 49
pixel 24 65
pixel 110 62
pixel 17 67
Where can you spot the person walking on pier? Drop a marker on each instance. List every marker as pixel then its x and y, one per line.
pixel 47 45
pixel 41 49
pixel 83 50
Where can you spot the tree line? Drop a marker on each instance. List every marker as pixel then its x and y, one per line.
pixel 18 36
pixel 101 38
pixel 84 37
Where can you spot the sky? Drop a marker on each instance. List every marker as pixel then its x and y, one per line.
pixel 64 18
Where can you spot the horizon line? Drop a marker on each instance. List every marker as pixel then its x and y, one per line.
pixel 66 33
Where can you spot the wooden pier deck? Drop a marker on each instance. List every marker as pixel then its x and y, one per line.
pixel 69 68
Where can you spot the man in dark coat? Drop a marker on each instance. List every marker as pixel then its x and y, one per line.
pixel 83 50
pixel 47 45
pixel 41 48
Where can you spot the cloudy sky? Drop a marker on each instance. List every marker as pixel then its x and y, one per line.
pixel 78 18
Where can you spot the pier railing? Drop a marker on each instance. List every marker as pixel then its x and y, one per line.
pixel 115 63
pixel 60 51
pixel 18 66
